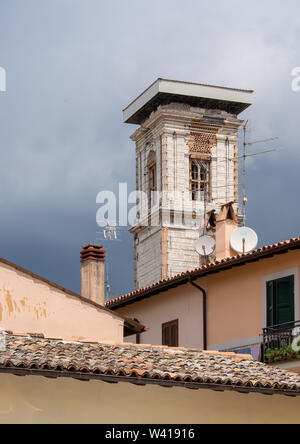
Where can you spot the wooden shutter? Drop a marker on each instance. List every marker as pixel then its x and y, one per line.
pixel 280 301
pixel 170 334
pixel 285 305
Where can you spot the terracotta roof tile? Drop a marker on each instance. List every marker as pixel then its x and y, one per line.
pixel 144 364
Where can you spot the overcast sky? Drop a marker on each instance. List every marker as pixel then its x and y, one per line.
pixel 73 65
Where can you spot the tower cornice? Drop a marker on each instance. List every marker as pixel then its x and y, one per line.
pixel 179 117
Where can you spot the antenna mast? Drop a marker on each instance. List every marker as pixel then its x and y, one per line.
pixel 108 234
pixel 205 197
pixel 244 157
pixel 245 200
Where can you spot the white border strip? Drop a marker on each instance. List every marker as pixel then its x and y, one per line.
pixel 243 343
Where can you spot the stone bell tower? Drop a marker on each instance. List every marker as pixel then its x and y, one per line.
pixel 186 168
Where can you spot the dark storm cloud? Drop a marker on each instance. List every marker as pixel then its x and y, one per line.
pixel 72 65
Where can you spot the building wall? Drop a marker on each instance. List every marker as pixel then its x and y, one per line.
pixel 167 307
pixel 148 253
pixel 37 400
pixel 29 305
pixel 236 305
pixel 181 250
pixel 236 299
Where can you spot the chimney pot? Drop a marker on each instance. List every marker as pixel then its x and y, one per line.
pixel 92 258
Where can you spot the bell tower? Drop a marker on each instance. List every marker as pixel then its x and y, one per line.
pixel 186 170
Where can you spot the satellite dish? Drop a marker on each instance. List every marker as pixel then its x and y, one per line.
pixel 205 246
pixel 244 240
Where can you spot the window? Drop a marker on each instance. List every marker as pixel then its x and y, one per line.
pixel 152 185
pixel 280 301
pixel 199 179
pixel 170 334
pixel 152 178
pixel 151 173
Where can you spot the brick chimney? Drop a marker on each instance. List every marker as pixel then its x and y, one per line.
pixel 227 221
pixel 92 259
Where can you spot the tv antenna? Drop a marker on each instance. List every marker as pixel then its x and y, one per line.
pixel 245 156
pixel 110 232
pixel 107 288
pixel 205 166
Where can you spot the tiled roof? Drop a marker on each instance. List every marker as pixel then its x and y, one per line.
pixel 143 364
pixel 214 267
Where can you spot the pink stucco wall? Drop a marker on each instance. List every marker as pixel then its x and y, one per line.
pixel 29 305
pixel 182 303
pixel 236 298
pixel 235 305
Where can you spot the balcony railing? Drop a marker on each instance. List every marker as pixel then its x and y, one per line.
pixel 280 342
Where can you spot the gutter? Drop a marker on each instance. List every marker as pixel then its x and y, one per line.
pixel 204 294
pixel 112 379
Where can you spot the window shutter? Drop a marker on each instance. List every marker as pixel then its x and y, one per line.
pixel 285 305
pixel 280 301
pixel 170 334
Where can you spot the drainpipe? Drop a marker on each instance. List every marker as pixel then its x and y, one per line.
pixel 204 312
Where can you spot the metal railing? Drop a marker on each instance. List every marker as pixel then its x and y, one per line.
pixel 279 337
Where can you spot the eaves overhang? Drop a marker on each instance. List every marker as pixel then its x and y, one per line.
pixel 216 267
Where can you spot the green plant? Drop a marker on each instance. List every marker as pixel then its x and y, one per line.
pixel 281 354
